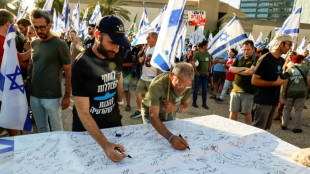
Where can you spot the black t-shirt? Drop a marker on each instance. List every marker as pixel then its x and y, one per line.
pixel 269 68
pixel 97 79
pixel 89 43
pixel 127 59
pixel 135 52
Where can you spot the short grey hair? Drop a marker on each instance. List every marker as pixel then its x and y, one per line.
pixel 183 70
pixel 153 34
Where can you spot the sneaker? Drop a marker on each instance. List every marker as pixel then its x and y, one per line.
pixel 297 130
pixel 218 100
pixel 212 97
pixel 284 127
pixel 128 108
pixel 136 114
pixel 205 106
pixel 195 105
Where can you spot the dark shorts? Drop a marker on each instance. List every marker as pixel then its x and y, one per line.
pixel 219 76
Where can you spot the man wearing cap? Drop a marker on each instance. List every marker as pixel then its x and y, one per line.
pixel 97 85
pixel 267 78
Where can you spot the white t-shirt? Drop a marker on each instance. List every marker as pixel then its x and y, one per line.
pixel 149 72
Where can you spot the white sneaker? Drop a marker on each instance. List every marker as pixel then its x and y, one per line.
pixel 4 133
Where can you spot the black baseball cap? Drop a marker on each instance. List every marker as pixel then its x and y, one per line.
pixel 114 27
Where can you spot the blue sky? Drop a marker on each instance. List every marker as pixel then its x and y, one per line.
pixel 234 3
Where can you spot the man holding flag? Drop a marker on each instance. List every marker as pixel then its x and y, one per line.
pixel 14 112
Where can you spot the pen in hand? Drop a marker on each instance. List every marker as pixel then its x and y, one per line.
pixel 120 151
pixel 183 138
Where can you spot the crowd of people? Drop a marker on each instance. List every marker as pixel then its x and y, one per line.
pixel 100 67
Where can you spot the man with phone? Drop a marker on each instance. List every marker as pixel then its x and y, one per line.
pixel 268 78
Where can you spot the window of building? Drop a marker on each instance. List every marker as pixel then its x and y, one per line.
pixel 262 15
pixel 248 10
pixel 263 10
pixel 250 15
pixel 265 4
pixel 248 4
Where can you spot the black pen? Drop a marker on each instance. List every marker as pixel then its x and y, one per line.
pixel 120 151
pixel 183 138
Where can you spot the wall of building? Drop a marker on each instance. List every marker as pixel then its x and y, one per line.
pixel 305 13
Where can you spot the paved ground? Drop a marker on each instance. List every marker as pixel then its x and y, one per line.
pixel 301 140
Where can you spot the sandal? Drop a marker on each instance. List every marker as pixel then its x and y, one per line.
pixel 128 108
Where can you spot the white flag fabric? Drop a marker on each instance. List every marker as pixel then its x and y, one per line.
pixel 210 37
pixel 76 18
pixel 65 15
pixel 259 40
pixel 18 14
pixel 192 38
pixel 14 113
pixel 84 23
pixel 230 35
pixel 240 51
pixel 95 15
pixel 301 45
pixel 55 24
pixel 181 46
pixel 167 39
pixel 48 6
pixel 200 35
pixel 250 37
pixel 144 19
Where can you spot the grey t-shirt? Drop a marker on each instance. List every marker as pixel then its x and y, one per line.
pixel 48 59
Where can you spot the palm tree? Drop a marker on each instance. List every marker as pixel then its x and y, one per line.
pixel 111 7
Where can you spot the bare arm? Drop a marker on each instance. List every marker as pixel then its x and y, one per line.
pixel 195 69
pixel 248 71
pixel 82 107
pixel 237 70
pixel 66 99
pixel 258 81
pixel 176 142
pixel 24 56
pixel 120 94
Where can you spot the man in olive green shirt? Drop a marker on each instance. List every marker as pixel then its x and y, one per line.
pixel 243 92
pixel 202 72
pixel 155 104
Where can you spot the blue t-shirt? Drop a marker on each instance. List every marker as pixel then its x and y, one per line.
pixel 219 66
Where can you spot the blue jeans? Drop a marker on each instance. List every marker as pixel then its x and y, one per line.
pixel 198 80
pixel 44 110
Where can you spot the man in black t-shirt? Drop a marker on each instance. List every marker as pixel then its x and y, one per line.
pixel 97 85
pixel 267 79
pixel 90 39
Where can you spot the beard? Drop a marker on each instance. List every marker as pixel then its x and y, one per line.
pixel 105 53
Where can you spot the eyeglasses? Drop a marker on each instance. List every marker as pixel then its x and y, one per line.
pixel 183 87
pixel 289 44
pixel 42 27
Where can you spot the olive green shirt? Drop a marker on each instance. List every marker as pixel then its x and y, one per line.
pixel 48 60
pixel 297 87
pixel 204 61
pixel 242 84
pixel 158 92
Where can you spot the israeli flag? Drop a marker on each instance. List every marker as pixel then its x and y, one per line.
pixel 14 113
pixel 199 34
pixel 232 34
pixel 240 51
pixel 301 45
pixel 192 38
pixel 292 23
pixel 65 14
pixel 259 41
pixel 251 37
pixel 144 19
pixel 156 23
pixel 165 48
pixel 181 46
pixel 18 14
pixel 48 6
pixel 210 38
pixel 96 14
pixel 84 23
pixel 23 15
pixel 76 18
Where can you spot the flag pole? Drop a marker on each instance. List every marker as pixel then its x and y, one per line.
pixel 169 88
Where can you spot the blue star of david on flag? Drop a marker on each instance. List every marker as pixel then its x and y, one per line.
pixel 14 84
pixel 224 36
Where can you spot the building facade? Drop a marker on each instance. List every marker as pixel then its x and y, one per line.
pixel 305 13
pixel 274 10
